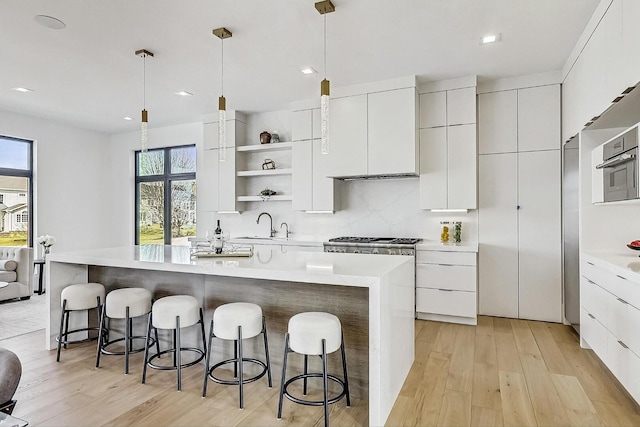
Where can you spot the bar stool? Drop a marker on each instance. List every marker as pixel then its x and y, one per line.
pixel 314 334
pixel 124 304
pixel 237 321
pixel 174 313
pixel 85 296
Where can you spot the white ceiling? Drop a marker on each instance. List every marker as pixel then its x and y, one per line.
pixel 87 74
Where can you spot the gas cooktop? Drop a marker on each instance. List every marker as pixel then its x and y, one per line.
pixel 376 240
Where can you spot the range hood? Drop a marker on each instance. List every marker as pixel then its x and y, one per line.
pixel 384 176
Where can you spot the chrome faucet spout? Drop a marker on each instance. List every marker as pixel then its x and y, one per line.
pixel 286 229
pixel 272 231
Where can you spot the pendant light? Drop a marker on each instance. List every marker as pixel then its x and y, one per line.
pixel 324 7
pixel 222 33
pixel 144 136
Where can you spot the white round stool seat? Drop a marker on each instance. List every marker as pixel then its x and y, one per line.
pixel 228 317
pixel 83 296
pixel 307 330
pixel 137 299
pixel 165 310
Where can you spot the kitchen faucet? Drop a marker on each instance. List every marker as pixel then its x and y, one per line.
pixel 286 229
pixel 272 231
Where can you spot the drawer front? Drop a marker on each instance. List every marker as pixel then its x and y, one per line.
pixel 445 276
pixel 595 273
pixel 594 334
pixel 449 303
pixel 453 258
pixel 626 289
pixel 625 365
pixel 594 299
pixel 623 321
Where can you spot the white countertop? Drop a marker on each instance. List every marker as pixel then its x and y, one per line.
pixel 266 263
pixel 625 264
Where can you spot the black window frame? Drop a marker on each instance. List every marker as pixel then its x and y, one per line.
pixel 21 173
pixel 167 178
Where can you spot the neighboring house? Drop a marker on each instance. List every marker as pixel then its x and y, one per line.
pixel 14 211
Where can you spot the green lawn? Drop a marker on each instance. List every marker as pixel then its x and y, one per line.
pixel 15 238
pixel 154 234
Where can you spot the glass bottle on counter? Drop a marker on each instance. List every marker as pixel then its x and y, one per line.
pixel 444 234
pixel 217 241
pixel 457 232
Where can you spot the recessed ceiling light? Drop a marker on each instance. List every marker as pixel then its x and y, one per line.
pixel 308 70
pixel 128 118
pixel 183 93
pixel 50 22
pixel 21 89
pixel 490 38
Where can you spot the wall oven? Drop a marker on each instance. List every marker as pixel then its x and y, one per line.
pixel 620 167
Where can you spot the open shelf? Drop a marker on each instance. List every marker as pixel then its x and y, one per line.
pixel 265 172
pixel 265 147
pixel 277 197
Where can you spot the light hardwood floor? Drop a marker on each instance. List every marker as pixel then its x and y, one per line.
pixel 501 372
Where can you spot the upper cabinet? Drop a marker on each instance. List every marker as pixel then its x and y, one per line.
pixel 392 128
pixel 498 122
pixel 348 136
pixel 448 149
pixel 312 190
pixel 374 134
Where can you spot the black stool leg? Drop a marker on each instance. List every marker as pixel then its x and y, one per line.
pixel 208 360
pixel 325 384
pixel 146 349
pixel 66 328
pixel 100 336
pixel 204 344
pixel 157 340
pixel 344 370
pixel 64 308
pixel 306 371
pixel 266 350
pixel 177 353
pixel 127 340
pixel 235 357
pixel 240 363
pixel 284 374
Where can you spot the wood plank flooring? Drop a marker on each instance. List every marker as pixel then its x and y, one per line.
pixel 502 372
pixel 508 372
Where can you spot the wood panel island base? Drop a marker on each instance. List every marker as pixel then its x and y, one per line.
pixel 373 295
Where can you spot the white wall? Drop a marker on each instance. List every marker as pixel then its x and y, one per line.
pixel 122 149
pixel 73 191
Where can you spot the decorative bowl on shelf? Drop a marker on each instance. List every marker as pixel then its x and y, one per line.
pixel 635 245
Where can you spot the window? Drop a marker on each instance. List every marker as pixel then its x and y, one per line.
pixel 166 195
pixel 16 191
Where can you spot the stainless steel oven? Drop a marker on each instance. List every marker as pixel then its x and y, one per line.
pixel 620 167
pixel 372 245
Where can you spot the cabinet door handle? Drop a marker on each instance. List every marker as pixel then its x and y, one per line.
pixel 590 263
pixel 593 283
pixel 448 265
pixel 445 290
pixel 622 344
pixel 622 301
pixel 591 315
pixel 623 278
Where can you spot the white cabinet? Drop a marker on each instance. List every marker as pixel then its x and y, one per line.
pixel 446 285
pixel 609 316
pixel 498 235
pixel 348 136
pixel 391 131
pixel 448 150
pixel 312 190
pixel 461 106
pixel 519 236
pixel 216 180
pixel 498 122
pixel 519 221
pixel 539 231
pixel 374 134
pixel 539 118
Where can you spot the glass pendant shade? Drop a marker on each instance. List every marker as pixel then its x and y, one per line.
pixel 324 116
pixel 222 129
pixel 144 135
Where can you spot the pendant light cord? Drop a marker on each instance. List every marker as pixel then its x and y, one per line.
pixel 325 45
pixel 222 66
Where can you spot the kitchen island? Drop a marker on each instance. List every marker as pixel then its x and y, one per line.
pixel 373 295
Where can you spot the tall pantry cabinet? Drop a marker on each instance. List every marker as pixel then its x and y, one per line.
pixel 519 220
